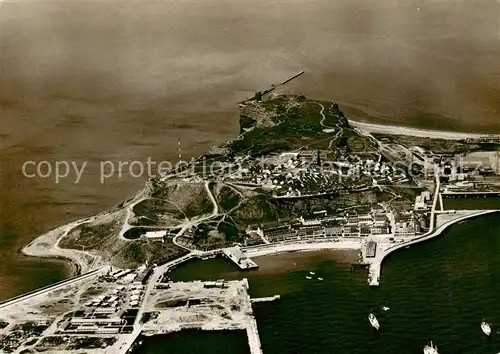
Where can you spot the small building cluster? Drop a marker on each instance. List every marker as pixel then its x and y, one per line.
pixel 110 313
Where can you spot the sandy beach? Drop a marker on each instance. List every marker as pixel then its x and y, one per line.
pixel 263 250
pixel 426 133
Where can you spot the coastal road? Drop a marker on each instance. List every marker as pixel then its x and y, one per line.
pixel 50 288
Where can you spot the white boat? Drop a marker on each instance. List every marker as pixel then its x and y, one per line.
pixel 373 321
pixel 485 327
pixel 430 349
pixel 312 273
pixel 385 308
pixel 319 278
pixel 308 277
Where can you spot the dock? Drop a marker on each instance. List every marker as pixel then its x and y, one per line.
pixel 265 299
pixel 238 258
pixel 375 263
pixel 452 194
pixel 253 338
pixel 374 274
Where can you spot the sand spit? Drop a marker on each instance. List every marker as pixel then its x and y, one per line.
pixel 47 245
pixel 425 133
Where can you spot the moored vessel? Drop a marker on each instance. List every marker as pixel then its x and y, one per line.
pixel 430 349
pixel 485 327
pixel 373 321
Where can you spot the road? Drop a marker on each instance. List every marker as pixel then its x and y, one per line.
pixel 195 221
pixel 50 288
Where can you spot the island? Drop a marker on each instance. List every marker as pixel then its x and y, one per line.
pixel 300 176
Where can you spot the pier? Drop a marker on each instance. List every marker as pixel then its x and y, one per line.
pixel 462 194
pixel 374 274
pixel 242 261
pixel 375 263
pixel 265 299
pixel 253 338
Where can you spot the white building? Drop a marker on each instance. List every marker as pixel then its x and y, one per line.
pixel 104 310
pixel 95 321
pixel 155 235
pixel 107 330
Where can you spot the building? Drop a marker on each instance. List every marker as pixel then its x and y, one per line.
pixel 107 330
pixel 371 249
pixel 156 235
pixel 364 230
pixel 422 200
pixel 334 230
pixel 104 310
pixel 80 321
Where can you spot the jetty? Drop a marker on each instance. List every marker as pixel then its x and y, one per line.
pixel 375 263
pixel 265 299
pixel 453 194
pixel 253 337
pixel 242 261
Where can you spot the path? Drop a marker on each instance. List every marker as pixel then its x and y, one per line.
pixel 195 221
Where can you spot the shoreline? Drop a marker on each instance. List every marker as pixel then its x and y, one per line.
pixel 80 262
pixel 46 246
pixel 272 249
pixel 418 132
pixel 375 264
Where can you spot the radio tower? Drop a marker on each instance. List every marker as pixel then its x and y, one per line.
pixel 179 149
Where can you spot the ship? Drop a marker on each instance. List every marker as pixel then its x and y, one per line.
pixel 485 327
pixel 308 277
pixel 430 349
pixel 373 321
pixel 319 278
pixel 312 273
pixel 385 308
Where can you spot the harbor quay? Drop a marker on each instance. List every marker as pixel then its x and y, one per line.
pixel 373 259
pixel 220 305
pixel 241 260
pixel 113 310
pixel 265 299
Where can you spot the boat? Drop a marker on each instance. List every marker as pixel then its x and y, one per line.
pixel 430 349
pixel 312 273
pixel 485 327
pixel 308 277
pixel 385 308
pixel 319 278
pixel 373 321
